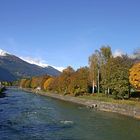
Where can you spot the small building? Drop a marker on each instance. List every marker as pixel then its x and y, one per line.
pixel 38 88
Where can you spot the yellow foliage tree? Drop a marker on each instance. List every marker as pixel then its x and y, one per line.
pixel 134 77
pixel 27 83
pixel 22 83
pixel 47 83
pixel 34 82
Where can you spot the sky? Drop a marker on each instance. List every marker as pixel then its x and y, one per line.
pixel 66 32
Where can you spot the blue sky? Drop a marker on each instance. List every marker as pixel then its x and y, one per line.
pixel 66 32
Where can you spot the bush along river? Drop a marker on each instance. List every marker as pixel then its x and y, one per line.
pixel 27 116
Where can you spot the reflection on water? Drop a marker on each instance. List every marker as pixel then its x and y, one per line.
pixel 26 116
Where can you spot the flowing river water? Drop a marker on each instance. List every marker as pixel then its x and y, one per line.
pixel 26 116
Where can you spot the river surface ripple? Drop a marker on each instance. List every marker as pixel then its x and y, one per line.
pixel 26 116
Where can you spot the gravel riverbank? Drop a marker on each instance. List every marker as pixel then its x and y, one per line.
pixel 123 109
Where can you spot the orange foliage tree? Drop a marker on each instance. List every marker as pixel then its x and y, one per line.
pixel 62 82
pixel 27 83
pixel 39 81
pixel 79 83
pixel 34 82
pixel 134 77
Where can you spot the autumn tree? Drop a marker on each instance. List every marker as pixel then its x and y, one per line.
pixel 38 81
pixel 64 80
pixel 134 77
pixel 54 85
pixel 48 84
pixel 34 82
pixel 27 83
pixel 42 80
pixel 22 82
pixel 79 83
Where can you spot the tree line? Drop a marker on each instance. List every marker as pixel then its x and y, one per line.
pixel 106 74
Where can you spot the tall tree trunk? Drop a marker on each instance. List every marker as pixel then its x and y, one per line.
pixel 98 81
pixel 129 91
pixel 93 87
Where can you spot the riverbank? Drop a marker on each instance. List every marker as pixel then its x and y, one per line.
pixel 2 89
pixel 124 109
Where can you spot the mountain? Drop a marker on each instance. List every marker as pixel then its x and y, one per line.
pixel 19 68
pixel 5 75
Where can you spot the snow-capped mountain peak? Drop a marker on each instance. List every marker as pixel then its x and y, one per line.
pixel 40 62
pixel 35 61
pixel 3 53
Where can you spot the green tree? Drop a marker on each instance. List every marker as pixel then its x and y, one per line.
pixel 106 53
pixel 118 75
pixel 96 62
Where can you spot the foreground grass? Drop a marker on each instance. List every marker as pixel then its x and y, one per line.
pixel 104 98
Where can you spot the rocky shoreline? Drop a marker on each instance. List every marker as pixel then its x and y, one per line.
pixel 123 109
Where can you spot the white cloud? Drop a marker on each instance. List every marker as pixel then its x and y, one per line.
pixel 118 53
pixel 40 62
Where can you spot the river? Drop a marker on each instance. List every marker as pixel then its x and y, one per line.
pixel 26 116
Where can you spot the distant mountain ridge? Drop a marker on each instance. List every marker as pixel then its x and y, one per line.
pixel 5 75
pixel 16 68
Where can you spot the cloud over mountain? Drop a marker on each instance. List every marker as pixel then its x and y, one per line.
pixel 118 53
